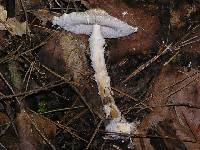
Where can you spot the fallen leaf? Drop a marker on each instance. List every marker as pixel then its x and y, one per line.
pixel 11 24
pixel 3 16
pixel 180 122
pixel 27 124
pixel 179 16
pixel 65 54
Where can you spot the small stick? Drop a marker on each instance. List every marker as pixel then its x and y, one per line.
pixel 145 65
pixel 28 93
pixel 40 133
pixel 66 129
pixel 94 134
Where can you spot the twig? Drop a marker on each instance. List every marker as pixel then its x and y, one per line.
pixel 73 105
pixel 178 90
pixel 58 110
pixel 29 75
pixel 94 134
pixel 125 94
pixel 170 59
pixel 191 130
pixel 84 100
pixel 151 136
pixel 32 49
pixel 2 147
pixel 72 85
pixel 69 82
pixel 10 87
pixel 67 129
pixel 76 117
pixel 11 55
pixel 189 76
pixel 145 65
pixel 173 46
pixel 28 93
pixel 177 105
pixel 20 54
pixel 40 133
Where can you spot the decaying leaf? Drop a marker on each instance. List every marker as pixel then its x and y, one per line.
pixel 11 24
pixel 175 19
pixel 65 54
pixel 33 129
pixel 175 99
pixel 3 16
pixel 179 17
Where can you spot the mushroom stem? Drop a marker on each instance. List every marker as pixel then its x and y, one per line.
pixel 97 43
pixel 117 122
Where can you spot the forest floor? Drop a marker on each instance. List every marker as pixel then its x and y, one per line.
pixel 48 96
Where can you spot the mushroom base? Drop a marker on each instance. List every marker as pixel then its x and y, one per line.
pixel 121 127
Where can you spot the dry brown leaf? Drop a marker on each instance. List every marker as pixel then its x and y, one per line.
pixel 180 122
pixel 65 54
pixel 8 139
pixel 3 16
pixel 27 124
pixel 11 24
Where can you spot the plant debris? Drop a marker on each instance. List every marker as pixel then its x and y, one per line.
pixel 11 24
pixel 48 94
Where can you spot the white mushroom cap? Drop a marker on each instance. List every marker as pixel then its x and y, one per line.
pixel 82 23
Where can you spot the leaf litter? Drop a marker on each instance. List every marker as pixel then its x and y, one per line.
pixel 57 78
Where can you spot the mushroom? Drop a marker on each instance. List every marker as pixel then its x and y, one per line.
pixel 99 25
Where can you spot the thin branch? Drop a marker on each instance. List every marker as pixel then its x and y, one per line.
pixel 176 105
pixel 39 132
pixel 180 81
pixel 28 93
pixel 145 65
pixel 94 134
pixel 72 85
pixel 62 109
pixel 66 129
pixel 150 136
